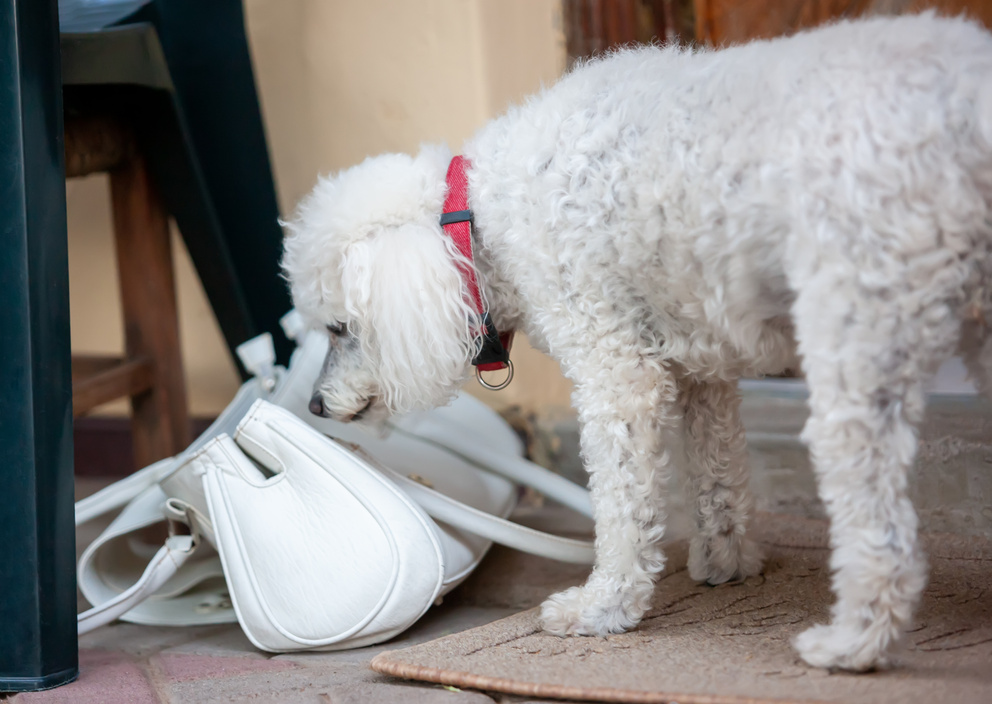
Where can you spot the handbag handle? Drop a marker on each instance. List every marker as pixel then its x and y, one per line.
pixel 166 562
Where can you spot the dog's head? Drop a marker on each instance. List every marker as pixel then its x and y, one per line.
pixel 366 259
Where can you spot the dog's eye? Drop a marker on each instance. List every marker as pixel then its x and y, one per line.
pixel 337 329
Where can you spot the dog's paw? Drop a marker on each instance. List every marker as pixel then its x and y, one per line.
pixel 726 558
pixel 589 611
pixel 842 648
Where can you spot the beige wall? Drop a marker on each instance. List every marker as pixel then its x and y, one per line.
pixel 340 80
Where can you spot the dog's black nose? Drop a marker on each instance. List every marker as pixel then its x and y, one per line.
pixel 317 405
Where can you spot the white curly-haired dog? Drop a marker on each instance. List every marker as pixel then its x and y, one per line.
pixel 663 222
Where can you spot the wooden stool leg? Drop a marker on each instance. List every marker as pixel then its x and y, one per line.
pixel 160 421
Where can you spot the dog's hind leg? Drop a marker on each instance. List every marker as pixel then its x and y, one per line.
pixel 718 483
pixel 627 403
pixel 866 354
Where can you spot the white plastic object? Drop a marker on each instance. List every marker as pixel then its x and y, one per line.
pixel 293 326
pixel 258 355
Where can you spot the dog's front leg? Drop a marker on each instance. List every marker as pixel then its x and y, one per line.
pixel 625 406
pixel 717 483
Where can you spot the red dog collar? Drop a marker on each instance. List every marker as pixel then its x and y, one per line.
pixel 456 221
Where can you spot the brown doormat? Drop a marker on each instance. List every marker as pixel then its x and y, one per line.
pixel 705 645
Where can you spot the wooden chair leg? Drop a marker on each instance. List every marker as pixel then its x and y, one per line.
pixel 160 420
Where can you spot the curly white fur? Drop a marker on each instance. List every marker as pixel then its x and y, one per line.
pixel 663 222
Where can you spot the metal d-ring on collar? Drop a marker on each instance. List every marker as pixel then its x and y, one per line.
pixel 500 386
pixel 492 354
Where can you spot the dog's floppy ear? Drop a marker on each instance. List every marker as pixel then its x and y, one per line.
pixel 403 288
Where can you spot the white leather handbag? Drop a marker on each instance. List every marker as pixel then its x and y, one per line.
pixel 313 534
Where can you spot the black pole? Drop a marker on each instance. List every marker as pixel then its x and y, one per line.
pixel 38 646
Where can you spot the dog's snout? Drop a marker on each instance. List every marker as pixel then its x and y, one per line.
pixel 317 405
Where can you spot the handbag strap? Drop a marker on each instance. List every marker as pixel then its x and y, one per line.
pixel 120 493
pixel 499 530
pixel 517 469
pixel 166 562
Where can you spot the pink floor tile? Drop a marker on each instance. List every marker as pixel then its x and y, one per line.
pixel 180 667
pixel 104 678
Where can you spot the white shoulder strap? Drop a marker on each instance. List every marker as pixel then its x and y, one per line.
pixel 163 566
pixel 499 530
pixel 517 469
pixel 122 492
